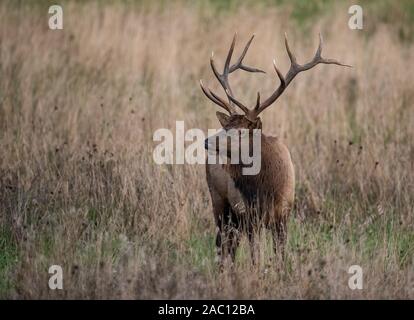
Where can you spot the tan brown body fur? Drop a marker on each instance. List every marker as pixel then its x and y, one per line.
pixel 249 202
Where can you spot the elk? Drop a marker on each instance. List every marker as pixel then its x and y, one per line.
pixel 242 203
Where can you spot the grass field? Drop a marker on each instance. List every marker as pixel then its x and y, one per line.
pixel 79 187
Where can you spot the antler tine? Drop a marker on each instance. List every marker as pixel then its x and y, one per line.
pixel 238 103
pixel 257 101
pixel 318 55
pixel 216 99
pixel 294 69
pixel 292 57
pixel 279 74
pixel 223 81
pixel 216 73
pixel 318 59
pixel 221 100
pixel 240 60
pixel 319 50
pixel 228 59
pixel 224 77
pixel 239 64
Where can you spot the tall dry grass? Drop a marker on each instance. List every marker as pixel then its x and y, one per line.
pixel 79 188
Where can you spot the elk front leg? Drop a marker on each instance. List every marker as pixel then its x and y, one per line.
pixel 220 209
pixel 228 206
pixel 227 242
pixel 226 239
pixel 253 252
pixel 230 236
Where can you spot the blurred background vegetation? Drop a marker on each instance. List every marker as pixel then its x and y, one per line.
pixel 398 14
pixel 78 185
pixel 387 11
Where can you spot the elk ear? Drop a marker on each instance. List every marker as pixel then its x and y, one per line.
pixel 222 118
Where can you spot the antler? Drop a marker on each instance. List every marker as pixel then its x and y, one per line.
pixel 223 78
pixel 294 69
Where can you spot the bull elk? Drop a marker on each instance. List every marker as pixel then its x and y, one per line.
pixel 242 203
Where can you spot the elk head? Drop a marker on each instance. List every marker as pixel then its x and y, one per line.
pixel 249 118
